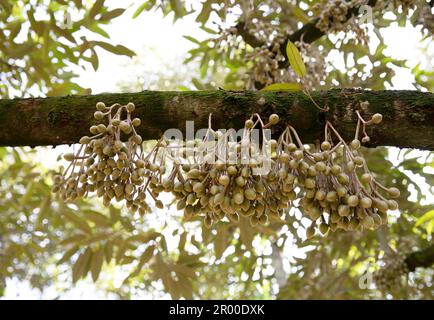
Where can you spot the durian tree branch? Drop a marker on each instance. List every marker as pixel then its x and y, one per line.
pixel 408 116
pixel 423 258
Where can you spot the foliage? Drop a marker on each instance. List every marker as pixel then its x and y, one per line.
pixel 44 239
pixel 40 42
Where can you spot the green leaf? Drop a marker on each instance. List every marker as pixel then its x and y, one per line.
pixel 186 258
pixel 72 239
pixel 108 251
pixel 29 192
pixel 144 237
pixel 282 87
pixel 295 59
pixel 146 256
pixel 96 8
pixel 178 8
pixel 247 233
pixel 43 212
pixel 122 248
pixel 99 219
pixel 140 9
pixel 426 217
pixel 80 266
pixel 430 227
pixel 182 240
pixel 183 269
pixel 97 262
pixel 185 286
pixel 96 237
pixel 192 39
pixel 15 28
pixel 205 12
pixel 97 29
pixel 78 222
pixel 119 49
pixel 111 14
pixel 299 13
pixel 221 241
pixel 94 59
pixel 68 254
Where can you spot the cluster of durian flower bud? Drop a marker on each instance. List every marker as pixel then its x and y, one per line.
pixel 334 16
pixel 339 190
pixel 232 178
pixel 269 57
pixel 110 162
pixel 220 176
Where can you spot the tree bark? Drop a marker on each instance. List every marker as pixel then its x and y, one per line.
pixel 408 116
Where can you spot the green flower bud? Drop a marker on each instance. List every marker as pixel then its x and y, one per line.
pixel 224 180
pixel 366 178
pixel 238 198
pixel 315 213
pixel 250 194
pixel 84 140
pixel 353 201
pixel 131 107
pixel 100 106
pixel 249 124
pixel 344 210
pixel 98 115
pixel 355 144
pixel 366 202
pixel 94 130
pixel 331 196
pixel 325 146
pixel 69 157
pixel 309 183
pixel 393 192
pixel 323 228
pixel 273 119
pixel 136 122
pixel 336 169
pixel 377 118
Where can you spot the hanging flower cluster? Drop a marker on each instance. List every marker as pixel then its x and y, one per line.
pixel 220 176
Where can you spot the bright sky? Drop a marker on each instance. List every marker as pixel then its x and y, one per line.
pixel 152 31
pixel 148 31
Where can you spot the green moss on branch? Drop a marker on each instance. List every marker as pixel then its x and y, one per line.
pixel 408 115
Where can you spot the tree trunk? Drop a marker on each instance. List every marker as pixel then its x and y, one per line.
pixel 408 116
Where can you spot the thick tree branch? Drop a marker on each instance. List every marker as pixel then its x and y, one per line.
pixel 248 38
pixel 423 258
pixel 408 116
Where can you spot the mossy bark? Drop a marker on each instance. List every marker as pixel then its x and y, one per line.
pixel 408 116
